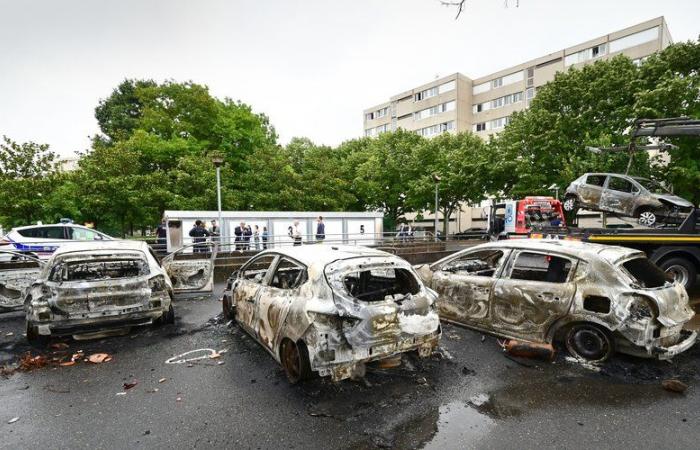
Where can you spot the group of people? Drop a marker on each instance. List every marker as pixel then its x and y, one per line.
pixel 199 234
pixel 244 234
pixel 405 232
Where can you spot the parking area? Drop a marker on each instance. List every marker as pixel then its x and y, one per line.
pixel 469 394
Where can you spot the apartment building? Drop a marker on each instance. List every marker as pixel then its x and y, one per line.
pixel 484 105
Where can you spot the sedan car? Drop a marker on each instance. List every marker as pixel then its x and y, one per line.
pixel 644 199
pixel 43 240
pixel 596 299
pixel 95 289
pixel 332 309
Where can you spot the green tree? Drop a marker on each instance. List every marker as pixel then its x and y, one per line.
pixel 461 161
pixel 27 175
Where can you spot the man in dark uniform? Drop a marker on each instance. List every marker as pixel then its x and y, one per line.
pixel 161 234
pixel 199 236
pixel 239 231
pixel 320 230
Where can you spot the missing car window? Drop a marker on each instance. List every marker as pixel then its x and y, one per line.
pixel 377 284
pixel 541 267
pixel 289 275
pixel 101 270
pixel 482 263
pixel 645 273
pixel 257 269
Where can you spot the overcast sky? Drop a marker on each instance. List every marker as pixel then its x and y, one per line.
pixel 311 65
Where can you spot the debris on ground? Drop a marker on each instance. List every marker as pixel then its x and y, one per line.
pixel 99 358
pixel 13 420
pixel 162 380
pixel 674 385
pixel 202 353
pixel 467 371
pixel 59 346
pixel 525 349
pixel 30 362
pixel 130 384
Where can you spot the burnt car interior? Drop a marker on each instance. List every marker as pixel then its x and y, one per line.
pixel 257 269
pixel 483 263
pixel 289 275
pixel 376 284
pixel 645 273
pixel 17 263
pixel 99 269
pixel 540 267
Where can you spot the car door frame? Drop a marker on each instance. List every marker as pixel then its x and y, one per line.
pixel 469 284
pixel 248 301
pixel 169 261
pixel 609 193
pixel 281 298
pixel 551 304
pixel 587 186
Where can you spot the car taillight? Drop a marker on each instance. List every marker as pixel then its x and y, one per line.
pixel 157 283
pixel 642 307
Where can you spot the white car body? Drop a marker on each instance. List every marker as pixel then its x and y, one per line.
pixel 43 240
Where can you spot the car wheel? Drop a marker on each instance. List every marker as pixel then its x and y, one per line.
pixel 647 217
pixel 681 269
pixel 226 305
pixel 295 361
pixel 589 342
pixel 570 204
pixel 35 339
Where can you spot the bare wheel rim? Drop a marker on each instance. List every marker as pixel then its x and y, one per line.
pixel 647 218
pixel 588 343
pixel 290 357
pixel 679 273
pixel 569 204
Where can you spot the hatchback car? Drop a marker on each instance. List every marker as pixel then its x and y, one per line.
pixel 330 310
pixel 43 240
pixel 596 299
pixel 98 288
pixel 644 199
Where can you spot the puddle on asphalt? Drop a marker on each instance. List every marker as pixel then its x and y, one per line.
pixel 459 425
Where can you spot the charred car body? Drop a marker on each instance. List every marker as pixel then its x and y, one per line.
pixel 595 299
pixel 98 288
pixel 17 272
pixel 644 199
pixel 330 310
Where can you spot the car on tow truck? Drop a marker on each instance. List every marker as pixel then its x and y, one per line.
pixel 332 309
pixel 595 299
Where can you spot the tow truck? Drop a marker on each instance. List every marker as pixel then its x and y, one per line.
pixel 674 248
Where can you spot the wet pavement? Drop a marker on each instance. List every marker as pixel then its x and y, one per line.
pixel 468 395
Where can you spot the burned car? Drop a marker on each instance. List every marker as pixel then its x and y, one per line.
pixel 95 289
pixel 332 309
pixel 595 299
pixel 644 199
pixel 17 272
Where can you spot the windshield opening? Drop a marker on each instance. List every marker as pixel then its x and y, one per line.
pixel 381 284
pixel 645 273
pixel 99 270
pixel 652 186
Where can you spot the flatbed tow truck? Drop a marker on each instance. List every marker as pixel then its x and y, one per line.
pixel 674 248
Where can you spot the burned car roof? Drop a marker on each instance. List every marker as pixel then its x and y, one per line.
pixel 325 254
pixel 115 245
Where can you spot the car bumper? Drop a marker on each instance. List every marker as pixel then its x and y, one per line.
pixel 687 340
pixel 353 361
pixel 97 324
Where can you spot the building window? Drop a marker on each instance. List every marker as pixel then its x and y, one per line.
pixel 435 110
pixel 436 129
pixel 382 112
pixel 498 82
pixel 369 116
pixel 446 87
pixel 481 88
pixel 480 126
pixel 634 39
pixel 497 103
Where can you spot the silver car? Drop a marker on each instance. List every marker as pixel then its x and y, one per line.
pixel 95 289
pixel 644 199
pixel 331 310
pixel 595 299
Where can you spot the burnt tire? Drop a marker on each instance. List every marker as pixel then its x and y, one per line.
pixel 227 309
pixel 35 339
pixel 295 361
pixel 647 217
pixel 589 342
pixel 682 269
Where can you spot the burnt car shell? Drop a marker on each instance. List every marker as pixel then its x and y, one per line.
pixel 598 292
pixel 94 289
pixel 354 306
pixel 17 272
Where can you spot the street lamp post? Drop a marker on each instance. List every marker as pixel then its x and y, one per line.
pixel 436 179
pixel 218 161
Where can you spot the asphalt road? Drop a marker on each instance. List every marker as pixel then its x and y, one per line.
pixel 468 396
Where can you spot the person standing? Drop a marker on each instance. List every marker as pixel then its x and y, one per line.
pixel 265 235
pixel 246 235
pixel 199 237
pixel 256 237
pixel 238 232
pixel 161 235
pixel 296 233
pixel 320 230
